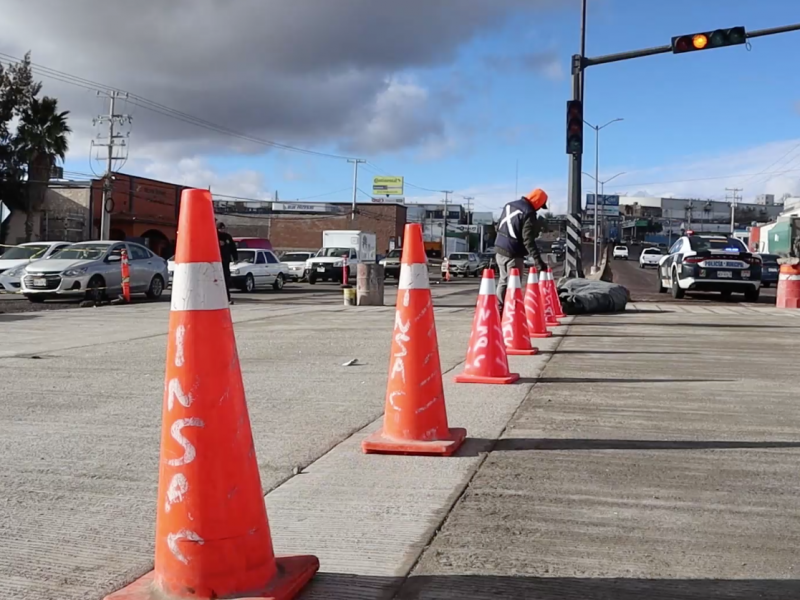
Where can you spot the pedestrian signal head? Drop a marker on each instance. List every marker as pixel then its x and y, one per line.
pixel 537 198
pixel 709 39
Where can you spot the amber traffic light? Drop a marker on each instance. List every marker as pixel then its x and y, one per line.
pixel 574 127
pixel 709 39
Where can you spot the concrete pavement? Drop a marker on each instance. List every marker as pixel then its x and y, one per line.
pixel 657 458
pixel 646 460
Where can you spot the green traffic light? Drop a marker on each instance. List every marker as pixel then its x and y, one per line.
pixel 717 38
pixel 737 35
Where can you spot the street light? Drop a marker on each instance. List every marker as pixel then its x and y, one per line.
pixel 602 195
pixel 597 175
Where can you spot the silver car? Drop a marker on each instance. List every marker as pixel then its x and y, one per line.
pixel 93 270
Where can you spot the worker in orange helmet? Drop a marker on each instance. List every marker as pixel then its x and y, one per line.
pixel 516 238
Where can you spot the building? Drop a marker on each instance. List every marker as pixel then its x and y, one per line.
pixel 765 199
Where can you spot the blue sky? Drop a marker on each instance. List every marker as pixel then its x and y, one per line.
pixel 693 125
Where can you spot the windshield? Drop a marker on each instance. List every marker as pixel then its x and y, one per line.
pixel 770 259
pixel 458 256
pixel 247 256
pixel 719 244
pixel 25 252
pixel 296 257
pixel 334 252
pixel 621 248
pixel 652 251
pixel 394 254
pixel 78 252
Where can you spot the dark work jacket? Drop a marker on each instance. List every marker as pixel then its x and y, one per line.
pixel 227 248
pixel 517 231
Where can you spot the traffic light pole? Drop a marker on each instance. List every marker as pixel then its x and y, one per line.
pixel 573 266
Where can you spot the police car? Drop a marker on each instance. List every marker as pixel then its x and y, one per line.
pixel 710 263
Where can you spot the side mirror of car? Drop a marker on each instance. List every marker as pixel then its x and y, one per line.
pixel 114 258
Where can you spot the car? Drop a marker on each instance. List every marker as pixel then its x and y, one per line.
pixel 296 262
pixel 14 261
pixel 252 243
pixel 620 253
pixel 710 263
pixel 487 260
pixel 93 270
pixel 770 269
pixel 462 263
pixel 391 263
pixel 650 257
pixel 170 268
pixel 256 269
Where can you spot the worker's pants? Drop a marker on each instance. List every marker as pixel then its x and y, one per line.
pixel 505 265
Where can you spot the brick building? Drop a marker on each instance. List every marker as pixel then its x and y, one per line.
pixel 303 230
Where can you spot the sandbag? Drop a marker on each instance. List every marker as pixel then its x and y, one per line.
pixel 582 296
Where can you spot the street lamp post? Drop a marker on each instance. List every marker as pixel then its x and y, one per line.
pixel 597 176
pixel 602 185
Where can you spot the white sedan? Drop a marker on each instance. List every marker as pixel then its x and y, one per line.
pixel 14 261
pixel 258 268
pixel 650 257
pixel 620 252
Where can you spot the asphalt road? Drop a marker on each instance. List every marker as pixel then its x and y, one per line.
pixel 643 285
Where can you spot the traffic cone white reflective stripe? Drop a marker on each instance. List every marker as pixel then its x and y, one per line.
pixel 199 286
pixel 488 287
pixel 414 277
pixel 789 277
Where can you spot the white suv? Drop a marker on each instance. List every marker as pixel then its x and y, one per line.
pixel 620 252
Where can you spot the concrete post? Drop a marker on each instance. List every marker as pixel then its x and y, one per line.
pixel 369 285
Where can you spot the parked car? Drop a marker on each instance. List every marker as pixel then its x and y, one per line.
pixel 620 253
pixel 710 263
pixel 770 269
pixel 258 269
pixel 93 270
pixel 296 262
pixel 14 261
pixel 487 260
pixel 252 243
pixel 462 263
pixel 650 257
pixel 391 263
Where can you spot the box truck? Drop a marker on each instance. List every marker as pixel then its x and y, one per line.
pixel 355 247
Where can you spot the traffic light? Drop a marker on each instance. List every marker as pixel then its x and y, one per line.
pixel 574 127
pixel 708 39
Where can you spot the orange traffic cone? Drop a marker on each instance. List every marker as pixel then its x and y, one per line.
pixel 415 418
pixel 212 535
pixel 515 326
pixel 534 309
pixel 446 270
pixel 547 301
pixel 487 360
pixel 559 310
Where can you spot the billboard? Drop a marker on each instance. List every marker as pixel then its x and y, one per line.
pixel 298 207
pixel 609 205
pixel 385 200
pixel 385 185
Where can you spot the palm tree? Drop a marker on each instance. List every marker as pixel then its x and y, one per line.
pixel 42 138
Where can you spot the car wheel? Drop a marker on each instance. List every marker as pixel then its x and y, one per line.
pixel 726 294
pixel 641 265
pixel 249 284
pixel 278 285
pixel 156 288
pixel 312 279
pixel 95 289
pixel 677 292
pixel 36 299
pixel 752 295
pixel 766 284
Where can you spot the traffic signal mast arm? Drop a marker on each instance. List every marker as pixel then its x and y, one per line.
pixel 609 58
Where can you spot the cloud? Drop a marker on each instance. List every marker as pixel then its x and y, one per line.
pixel 772 168
pixel 196 171
pixel 306 72
pixel 548 64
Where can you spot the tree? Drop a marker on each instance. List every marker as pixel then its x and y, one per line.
pixel 42 138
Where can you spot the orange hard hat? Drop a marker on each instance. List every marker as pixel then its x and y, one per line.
pixel 537 198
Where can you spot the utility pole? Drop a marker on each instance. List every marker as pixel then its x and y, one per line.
pixel 114 140
pixel 444 222
pixel 356 162
pixel 469 200
pixel 733 199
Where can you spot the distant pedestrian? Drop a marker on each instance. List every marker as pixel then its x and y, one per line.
pixel 228 254
pixel 516 238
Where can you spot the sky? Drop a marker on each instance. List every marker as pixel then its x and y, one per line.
pixel 461 95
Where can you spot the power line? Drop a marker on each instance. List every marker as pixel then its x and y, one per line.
pixel 162 109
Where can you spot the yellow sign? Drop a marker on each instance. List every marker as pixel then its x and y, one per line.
pixel 387 186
